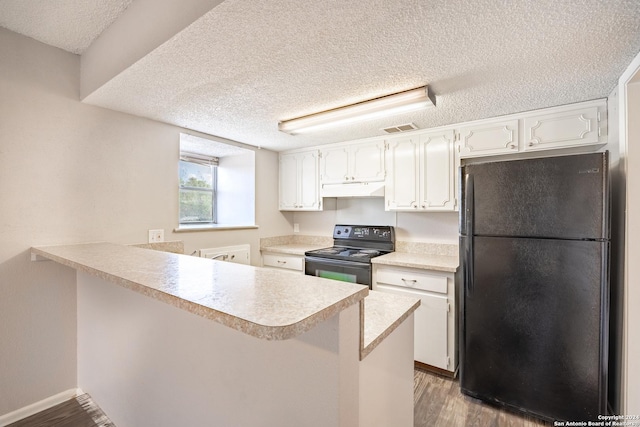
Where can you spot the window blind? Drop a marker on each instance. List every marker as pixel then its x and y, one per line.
pixel 201 159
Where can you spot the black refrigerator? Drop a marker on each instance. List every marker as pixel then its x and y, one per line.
pixel 534 283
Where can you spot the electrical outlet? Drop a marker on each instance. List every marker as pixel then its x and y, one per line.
pixel 156 236
pixel 296 227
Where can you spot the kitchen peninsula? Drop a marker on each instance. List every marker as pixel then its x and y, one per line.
pixel 167 339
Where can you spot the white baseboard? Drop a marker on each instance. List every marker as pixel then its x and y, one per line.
pixel 34 408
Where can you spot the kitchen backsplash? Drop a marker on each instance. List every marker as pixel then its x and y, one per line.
pixel 176 246
pixel 433 227
pixel 427 248
pixel 296 239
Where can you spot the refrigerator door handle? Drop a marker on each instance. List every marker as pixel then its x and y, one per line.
pixel 468 225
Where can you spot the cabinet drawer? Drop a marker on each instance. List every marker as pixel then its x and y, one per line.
pixel 289 262
pixel 414 279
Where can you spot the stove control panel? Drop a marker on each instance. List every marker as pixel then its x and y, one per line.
pixel 383 233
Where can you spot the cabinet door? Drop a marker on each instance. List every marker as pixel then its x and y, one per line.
pixel 334 167
pixel 560 130
pixel 308 196
pixel 282 261
pixel 288 181
pixel 430 327
pixel 367 162
pixel 489 139
pixel 437 162
pixel 431 344
pixel 401 186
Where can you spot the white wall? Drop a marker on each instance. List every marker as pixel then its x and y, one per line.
pixel 157 365
pixel 70 172
pixel 236 189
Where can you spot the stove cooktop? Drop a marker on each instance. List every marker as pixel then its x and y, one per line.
pixel 341 252
pixel 358 243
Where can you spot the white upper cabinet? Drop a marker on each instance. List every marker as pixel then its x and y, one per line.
pixel 421 172
pixel 567 126
pixel 489 139
pixel 299 187
pixel 403 167
pixel 578 126
pixel 288 180
pixel 363 162
pixel 437 171
pixel 335 165
pixel 418 168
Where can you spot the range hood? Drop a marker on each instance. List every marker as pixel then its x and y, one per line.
pixel 353 189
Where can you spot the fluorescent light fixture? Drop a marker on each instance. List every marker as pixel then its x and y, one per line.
pixel 396 103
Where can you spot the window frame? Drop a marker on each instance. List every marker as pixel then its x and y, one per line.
pixel 201 160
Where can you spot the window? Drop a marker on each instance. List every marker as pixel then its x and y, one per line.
pixel 216 184
pixel 198 188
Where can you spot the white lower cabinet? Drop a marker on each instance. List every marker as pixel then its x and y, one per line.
pixel 283 261
pixel 435 338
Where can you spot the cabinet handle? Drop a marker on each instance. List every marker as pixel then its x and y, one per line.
pixel 353 178
pixel 424 206
pixel 282 262
pixel 410 282
pixel 531 144
pixel 512 146
pixel 346 178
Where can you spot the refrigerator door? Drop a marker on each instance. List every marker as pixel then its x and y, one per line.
pixel 533 326
pixel 556 197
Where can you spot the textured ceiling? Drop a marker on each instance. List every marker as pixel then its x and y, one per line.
pixel 247 64
pixel 71 25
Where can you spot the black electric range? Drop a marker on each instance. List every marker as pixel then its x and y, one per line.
pixel 349 259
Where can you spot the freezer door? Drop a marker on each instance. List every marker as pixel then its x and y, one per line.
pixel 556 197
pixel 534 326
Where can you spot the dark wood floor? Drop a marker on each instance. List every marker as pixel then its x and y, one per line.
pixel 78 412
pixel 437 402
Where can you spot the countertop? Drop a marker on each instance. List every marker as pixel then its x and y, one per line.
pixel 264 303
pixel 383 313
pixel 444 263
pixel 423 255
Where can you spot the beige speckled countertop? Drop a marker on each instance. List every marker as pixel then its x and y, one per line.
pixel 415 260
pixel 383 313
pixel 264 303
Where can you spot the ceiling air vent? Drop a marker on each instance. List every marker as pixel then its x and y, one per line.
pixel 400 128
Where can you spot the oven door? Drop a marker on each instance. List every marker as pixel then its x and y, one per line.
pixel 346 271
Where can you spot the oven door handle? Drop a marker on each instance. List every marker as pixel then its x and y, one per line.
pixel 338 263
